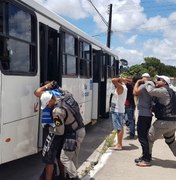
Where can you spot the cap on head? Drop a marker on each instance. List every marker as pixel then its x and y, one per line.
pixel 165 78
pixel 45 98
pixel 146 75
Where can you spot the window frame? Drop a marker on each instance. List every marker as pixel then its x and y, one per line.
pixel 111 67
pixel 65 54
pixel 31 45
pixel 87 62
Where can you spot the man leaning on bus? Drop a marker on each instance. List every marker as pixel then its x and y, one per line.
pixel 52 144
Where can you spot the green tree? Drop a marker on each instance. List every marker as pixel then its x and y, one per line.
pixel 135 70
pixel 153 66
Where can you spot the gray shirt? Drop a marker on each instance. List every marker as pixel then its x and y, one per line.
pixel 144 102
pixel 161 93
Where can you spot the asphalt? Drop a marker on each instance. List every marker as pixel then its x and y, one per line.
pixel 119 165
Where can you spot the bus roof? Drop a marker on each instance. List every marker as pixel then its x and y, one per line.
pixel 63 23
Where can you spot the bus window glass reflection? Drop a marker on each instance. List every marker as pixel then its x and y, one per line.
pixel 16 28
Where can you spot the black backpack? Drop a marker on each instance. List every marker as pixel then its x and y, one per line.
pixel 68 102
pixel 172 103
pixel 167 112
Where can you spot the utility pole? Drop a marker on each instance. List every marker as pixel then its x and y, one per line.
pixel 109 27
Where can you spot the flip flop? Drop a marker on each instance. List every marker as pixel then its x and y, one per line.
pixel 117 148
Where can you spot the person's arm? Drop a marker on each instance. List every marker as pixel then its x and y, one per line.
pixel 118 84
pixel 161 93
pixel 153 91
pixel 38 92
pixel 136 89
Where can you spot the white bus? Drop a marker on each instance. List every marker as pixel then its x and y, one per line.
pixel 37 45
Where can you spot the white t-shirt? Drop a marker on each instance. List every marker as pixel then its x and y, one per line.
pixel 118 101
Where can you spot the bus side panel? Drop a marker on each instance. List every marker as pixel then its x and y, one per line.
pixel 82 92
pixel 85 88
pixel 108 94
pixel 19 139
pixel 18 97
pixel 95 101
pixel 19 119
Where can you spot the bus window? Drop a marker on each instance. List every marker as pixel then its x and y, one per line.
pixel 19 23
pixel 16 56
pixel 111 67
pixel 18 51
pixel 69 54
pixel 85 59
pixel 69 65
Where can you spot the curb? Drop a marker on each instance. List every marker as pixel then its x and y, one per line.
pixel 91 161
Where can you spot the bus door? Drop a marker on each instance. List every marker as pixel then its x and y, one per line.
pixel 99 80
pixel 97 75
pixel 49 54
pixel 49 58
pixel 116 66
pixel 104 112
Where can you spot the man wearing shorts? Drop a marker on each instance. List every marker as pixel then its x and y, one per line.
pixel 118 109
pixel 52 143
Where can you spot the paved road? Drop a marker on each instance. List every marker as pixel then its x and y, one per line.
pixel 30 167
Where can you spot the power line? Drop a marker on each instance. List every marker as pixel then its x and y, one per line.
pixel 108 24
pixel 100 34
pixel 103 19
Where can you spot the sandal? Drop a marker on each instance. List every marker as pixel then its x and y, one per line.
pixel 117 148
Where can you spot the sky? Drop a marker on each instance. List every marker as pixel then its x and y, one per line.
pixel 140 28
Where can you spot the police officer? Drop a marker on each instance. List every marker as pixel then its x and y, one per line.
pixel 164 109
pixel 74 133
pixel 52 143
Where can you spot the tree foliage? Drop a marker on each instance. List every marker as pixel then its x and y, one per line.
pixel 153 66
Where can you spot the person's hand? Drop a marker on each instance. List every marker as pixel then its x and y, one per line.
pixel 54 84
pixel 36 107
pixel 140 81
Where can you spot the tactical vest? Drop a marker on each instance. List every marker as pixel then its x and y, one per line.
pixel 166 112
pixel 67 102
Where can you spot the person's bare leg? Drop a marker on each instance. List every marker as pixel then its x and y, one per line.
pixel 49 171
pixel 119 139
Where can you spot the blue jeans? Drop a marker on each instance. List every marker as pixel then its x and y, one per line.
pixel 118 120
pixel 130 114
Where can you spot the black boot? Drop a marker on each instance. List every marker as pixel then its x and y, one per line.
pixel 75 178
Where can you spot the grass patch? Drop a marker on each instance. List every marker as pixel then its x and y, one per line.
pixel 109 141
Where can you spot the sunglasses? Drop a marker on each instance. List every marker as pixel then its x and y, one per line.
pixel 159 79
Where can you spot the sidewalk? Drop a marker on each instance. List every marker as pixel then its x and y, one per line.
pixel 119 165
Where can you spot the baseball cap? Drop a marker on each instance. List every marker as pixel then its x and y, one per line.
pixel 165 78
pixel 45 98
pixel 146 75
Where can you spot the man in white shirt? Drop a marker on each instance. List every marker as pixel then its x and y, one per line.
pixel 118 109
